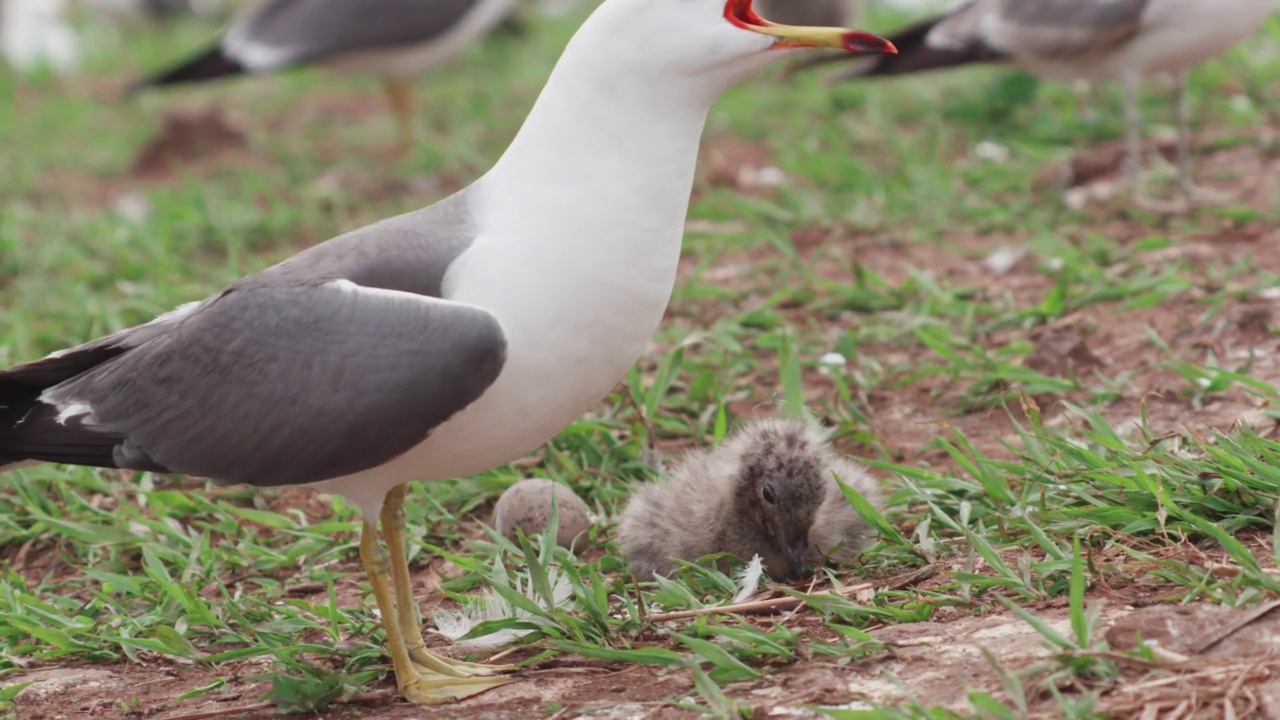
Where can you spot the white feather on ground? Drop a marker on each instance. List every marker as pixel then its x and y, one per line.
pixel 455 624
pixel 748 579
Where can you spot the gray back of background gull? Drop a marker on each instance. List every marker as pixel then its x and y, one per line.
pixel 1050 29
pixel 308 30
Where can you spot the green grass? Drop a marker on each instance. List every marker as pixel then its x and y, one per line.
pixel 1024 483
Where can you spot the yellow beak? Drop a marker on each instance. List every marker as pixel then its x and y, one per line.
pixel 739 13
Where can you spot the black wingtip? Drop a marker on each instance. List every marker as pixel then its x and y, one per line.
pixel 30 431
pixel 212 64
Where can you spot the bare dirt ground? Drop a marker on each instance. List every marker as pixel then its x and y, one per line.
pixel 1101 337
pixel 961 650
pixel 934 663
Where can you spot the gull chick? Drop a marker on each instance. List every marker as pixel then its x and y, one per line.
pixel 769 490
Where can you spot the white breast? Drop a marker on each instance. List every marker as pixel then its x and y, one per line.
pixel 580 225
pixel 574 327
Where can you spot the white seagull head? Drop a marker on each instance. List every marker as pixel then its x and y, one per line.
pixel 708 42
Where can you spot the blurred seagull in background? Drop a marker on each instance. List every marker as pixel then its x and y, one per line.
pixel 1125 40
pixel 126 12
pixel 839 13
pixel 442 342
pixel 394 39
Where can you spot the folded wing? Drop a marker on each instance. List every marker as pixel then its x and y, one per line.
pixel 266 384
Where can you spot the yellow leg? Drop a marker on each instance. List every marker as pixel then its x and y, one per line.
pixel 407 608
pixel 400 95
pixel 418 684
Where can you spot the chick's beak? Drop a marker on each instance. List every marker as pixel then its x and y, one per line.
pixel 797 553
pixel 739 13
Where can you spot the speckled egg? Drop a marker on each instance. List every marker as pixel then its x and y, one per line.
pixel 527 505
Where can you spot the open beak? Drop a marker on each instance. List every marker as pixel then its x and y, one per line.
pixel 739 13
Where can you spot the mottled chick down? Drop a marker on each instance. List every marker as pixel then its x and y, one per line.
pixel 768 490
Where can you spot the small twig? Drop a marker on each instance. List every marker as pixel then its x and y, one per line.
pixel 1166 660
pixel 498 656
pixel 1217 635
pixel 912 578
pixel 306 588
pixel 813 583
pixel 791 613
pixel 753 606
pixel 1191 673
pixel 1169 656
pixel 1228 570
pixel 223 712
pixel 746 607
pixel 1228 697
pixel 375 696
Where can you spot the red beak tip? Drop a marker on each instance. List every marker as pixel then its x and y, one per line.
pixel 866 43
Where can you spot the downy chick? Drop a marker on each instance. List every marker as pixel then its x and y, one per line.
pixel 769 490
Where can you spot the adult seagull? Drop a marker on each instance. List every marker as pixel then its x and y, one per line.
pixel 438 343
pixel 1125 40
pixel 394 39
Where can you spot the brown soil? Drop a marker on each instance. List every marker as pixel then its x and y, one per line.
pixel 1102 339
pixel 189 139
pixel 1206 657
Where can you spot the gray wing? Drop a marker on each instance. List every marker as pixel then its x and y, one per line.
pixel 29 428
pixel 1043 29
pixel 284 384
pixel 290 32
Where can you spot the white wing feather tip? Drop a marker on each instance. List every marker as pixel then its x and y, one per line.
pixel 73 409
pixel 455 624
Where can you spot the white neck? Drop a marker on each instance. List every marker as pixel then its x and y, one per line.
pixel 598 144
pixel 590 200
pixel 580 225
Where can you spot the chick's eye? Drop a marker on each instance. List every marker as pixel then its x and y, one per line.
pixel 767 495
